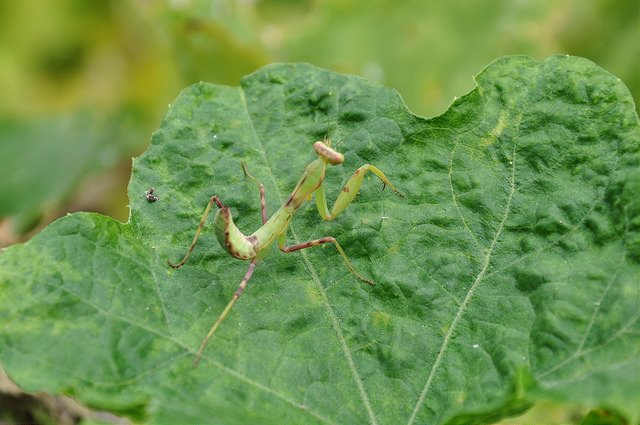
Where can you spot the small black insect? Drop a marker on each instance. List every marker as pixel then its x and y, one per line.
pixel 149 196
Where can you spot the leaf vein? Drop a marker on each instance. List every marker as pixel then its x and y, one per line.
pixel 180 344
pixel 454 197
pixel 157 291
pixel 318 284
pixel 573 229
pixel 580 349
pixel 465 302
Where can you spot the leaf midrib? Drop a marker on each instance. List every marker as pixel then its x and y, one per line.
pixel 332 315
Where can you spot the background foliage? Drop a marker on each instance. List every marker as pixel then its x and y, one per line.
pixel 85 83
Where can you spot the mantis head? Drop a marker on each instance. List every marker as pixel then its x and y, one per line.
pixel 329 155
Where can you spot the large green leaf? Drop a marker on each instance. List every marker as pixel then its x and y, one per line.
pixel 507 274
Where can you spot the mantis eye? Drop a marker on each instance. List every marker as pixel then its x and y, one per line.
pixel 332 156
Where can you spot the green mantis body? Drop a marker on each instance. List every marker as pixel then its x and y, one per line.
pixel 255 246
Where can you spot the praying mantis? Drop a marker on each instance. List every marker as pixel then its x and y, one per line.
pixel 255 246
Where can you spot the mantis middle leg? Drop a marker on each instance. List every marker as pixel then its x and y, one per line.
pixel 326 239
pixel 200 226
pixel 263 201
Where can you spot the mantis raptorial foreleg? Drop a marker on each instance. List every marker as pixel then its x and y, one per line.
pixel 348 192
pixel 255 246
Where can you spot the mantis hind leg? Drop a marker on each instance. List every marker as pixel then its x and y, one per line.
pixel 200 226
pixel 315 242
pixel 349 192
pixel 227 309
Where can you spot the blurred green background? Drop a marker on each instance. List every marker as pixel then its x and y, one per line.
pixel 83 84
